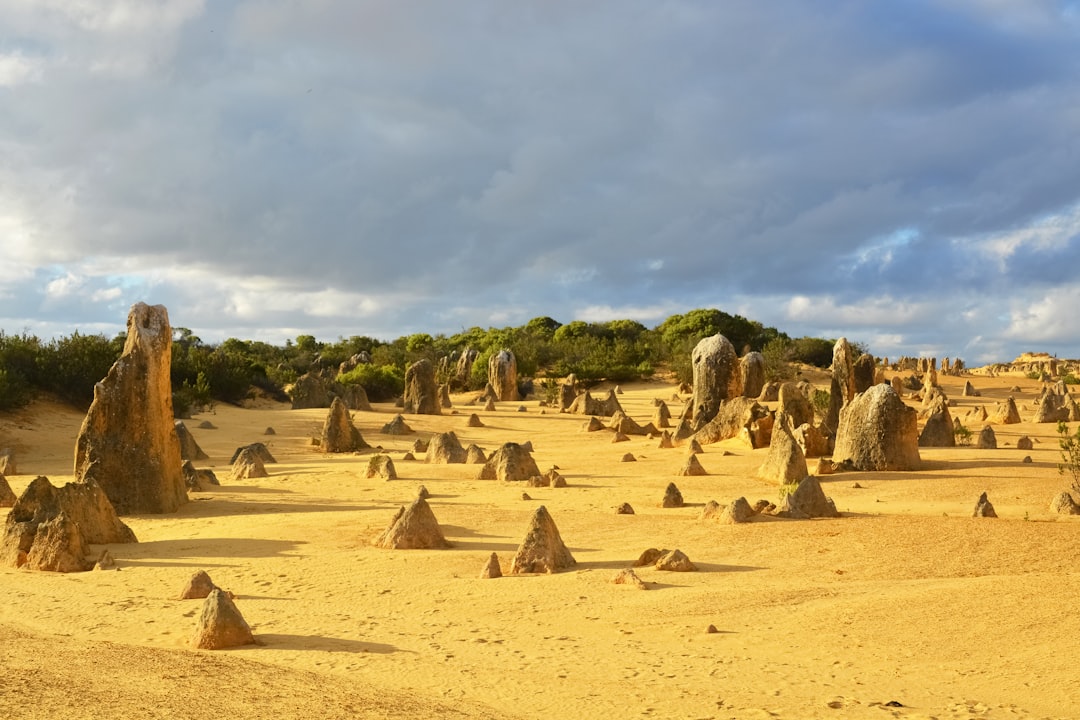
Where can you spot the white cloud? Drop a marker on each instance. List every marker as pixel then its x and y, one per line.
pixel 17 69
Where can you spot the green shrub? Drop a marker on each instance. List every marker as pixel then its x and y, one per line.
pixel 1070 379
pixel 1070 455
pixel 1033 375
pixel 15 391
pixel 381 382
pixel 820 400
pixel 962 435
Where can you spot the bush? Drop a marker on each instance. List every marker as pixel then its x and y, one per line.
pixel 962 435
pixel 15 391
pixel 777 367
pixel 381 382
pixel 820 400
pixel 72 366
pixel 1070 455
pixel 1070 379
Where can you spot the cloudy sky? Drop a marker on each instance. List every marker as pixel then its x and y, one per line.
pixel 903 173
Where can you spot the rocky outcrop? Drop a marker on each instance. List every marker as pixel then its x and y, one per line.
pixel 661 415
pixel 752 369
pixel 717 377
pixel 842 389
pixel 127 443
pixel 1063 504
pixel 502 375
pixel 675 561
pixel 672 497
pixel 491 568
pixel 863 372
pixel 311 390
pixel 381 466
pixel 248 464
pixel 339 435
pixel 987 439
pixel 256 449
pixel 542 550
pixel 938 430
pixel 511 462
pixel 421 393
pixel 785 462
pixel 737 512
pixel 189 449
pixel 1005 413
pixel 692 467
pixel 808 500
pixel 984 508
pixel 7 495
pixel 795 404
pixel 732 418
pixel 397 426
pixel 877 431
pixel 413 527
pixel 463 368
pixel 198 586
pixel 444 449
pixel 220 624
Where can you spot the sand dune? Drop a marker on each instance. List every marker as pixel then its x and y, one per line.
pixel 905 599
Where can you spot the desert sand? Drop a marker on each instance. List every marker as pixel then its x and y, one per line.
pixel 906 599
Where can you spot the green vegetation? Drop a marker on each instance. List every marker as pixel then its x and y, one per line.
pixel 204 373
pixel 1070 455
pixel 962 435
pixel 820 401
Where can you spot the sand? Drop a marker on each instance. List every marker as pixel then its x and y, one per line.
pixel 905 599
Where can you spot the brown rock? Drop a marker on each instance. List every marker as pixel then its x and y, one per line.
pixel 716 377
pixel 692 467
pixel 808 500
pixel 624 509
pixel 502 375
pixel 619 437
pixel 987 439
pixel 413 527
pixel 248 464
pixel 474 455
pixel 812 440
pixel 676 561
pixel 220 624
pixel 511 462
pixel 752 371
pixel 661 415
pixel 627 576
pixel 198 586
pixel 421 393
pixel 938 430
pixel 731 418
pixel 491 568
pixel 712 510
pixel 189 449
pixel 7 495
pixel 397 426
pixel 444 449
pixel 672 497
pixel 105 561
pixel 738 511
pixel 983 508
pixel 542 550
pixel 381 466
pixel 7 462
pixel 1005 413
pixel 127 443
pixel 1063 504
pixel 339 435
pixel 665 441
pixel 649 557
pixel 474 421
pixel 785 462
pixel 1024 443
pixel 877 431
pixel 842 389
pixel 795 405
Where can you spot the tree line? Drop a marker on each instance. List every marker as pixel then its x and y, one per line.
pixel 204 373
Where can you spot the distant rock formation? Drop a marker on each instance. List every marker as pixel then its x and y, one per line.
pixel 421 392
pixel 877 431
pixel 339 435
pixel 502 375
pixel 717 377
pixel 542 550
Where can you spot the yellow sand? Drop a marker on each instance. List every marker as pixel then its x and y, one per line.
pixel 906 598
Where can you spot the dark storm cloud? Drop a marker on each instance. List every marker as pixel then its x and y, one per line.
pixel 383 167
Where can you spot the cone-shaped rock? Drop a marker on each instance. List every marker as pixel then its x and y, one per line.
pixel 84 504
pixel 58 546
pixel 665 441
pixel 444 448
pixel 661 415
pixel 983 508
pixel 987 439
pixel 542 550
pixel 220 624
pixel 421 392
pixel 474 455
pixel 938 430
pixel 105 561
pixel 878 432
pixel 127 443
pixel 339 435
pixel 491 568
pixel 413 527
pixel 510 462
pixel 672 497
pixel 189 449
pixel 444 396
pixel 752 369
pixel 381 466
pixel 1025 443
pixel 624 509
pixel 785 463
pixel 489 405
pixel 397 426
pixel 474 421
pixel 7 495
pixel 808 500
pixel 7 462
pixel 198 586
pixel 247 465
pixel 795 405
pixel 738 511
pixel 258 449
pixel 691 467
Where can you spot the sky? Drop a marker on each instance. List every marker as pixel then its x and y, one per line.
pixel 905 174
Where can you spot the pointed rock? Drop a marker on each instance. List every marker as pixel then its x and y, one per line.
pixel 220 624
pixel 7 495
pixel 444 449
pixel 984 508
pixel 711 510
pixel 785 462
pixel 189 449
pixel 808 500
pixel 258 449
pixel 474 455
pixel 474 421
pixel 397 426
pixel 105 561
pixel 511 462
pixel 691 467
pixel 987 439
pixel 339 435
pixel 491 568
pixel 198 586
pixel 878 432
pixel 649 557
pixel 247 465
pixel 413 527
pixel 1063 504
pixel 624 509
pixel 58 546
pixel 736 512
pixel 489 406
pixel 542 550
pixel 421 393
pixel 672 497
